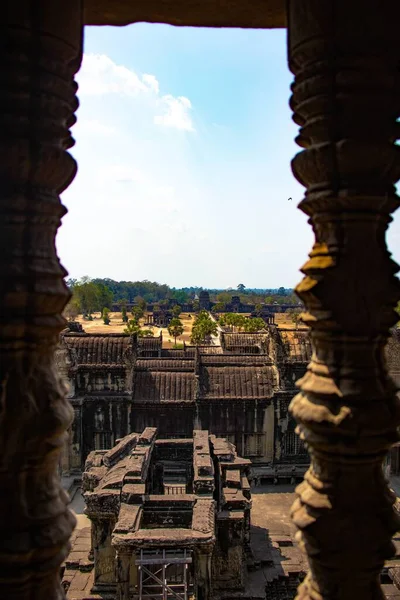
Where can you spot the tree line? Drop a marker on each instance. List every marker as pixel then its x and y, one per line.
pixel 94 295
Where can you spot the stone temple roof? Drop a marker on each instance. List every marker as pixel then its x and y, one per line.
pixel 98 349
pixel 296 345
pixel 244 340
pixel 163 386
pixel 185 376
pixel 149 343
pixel 165 364
pixel 239 382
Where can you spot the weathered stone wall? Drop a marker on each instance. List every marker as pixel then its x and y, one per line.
pixel 170 419
pixel 103 417
pixel 100 380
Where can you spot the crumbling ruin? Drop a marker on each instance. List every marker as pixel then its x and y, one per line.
pixel 170 518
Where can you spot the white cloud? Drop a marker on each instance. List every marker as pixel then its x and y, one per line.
pixel 152 82
pixel 176 113
pixel 100 75
pixel 95 126
pixel 121 173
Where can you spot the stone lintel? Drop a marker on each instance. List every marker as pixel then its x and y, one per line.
pixel 254 14
pixel 177 537
pixel 122 449
pixel 148 436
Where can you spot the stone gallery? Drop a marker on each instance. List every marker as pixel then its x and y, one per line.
pixel 239 390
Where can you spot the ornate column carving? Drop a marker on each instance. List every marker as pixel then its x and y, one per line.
pixel 40 50
pixel 345 58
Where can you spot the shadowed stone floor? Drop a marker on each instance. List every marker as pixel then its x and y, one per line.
pixel 275 564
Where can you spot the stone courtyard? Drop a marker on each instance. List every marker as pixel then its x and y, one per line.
pixel 275 566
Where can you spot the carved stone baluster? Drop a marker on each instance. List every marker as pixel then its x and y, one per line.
pixel 40 50
pixel 345 58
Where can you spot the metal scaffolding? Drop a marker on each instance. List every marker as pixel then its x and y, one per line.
pixel 164 574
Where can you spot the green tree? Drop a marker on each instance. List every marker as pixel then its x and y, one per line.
pixel 124 311
pixel 235 321
pixel 218 307
pixel 203 328
pixel 104 296
pixel 240 321
pixel 137 312
pixel 254 325
pixel 92 296
pixel 72 310
pixel 141 302
pixel 258 309
pixel 224 297
pixel 241 287
pixel 176 310
pixel 180 295
pixel 106 316
pixel 86 294
pixel 71 283
pixel 145 333
pixel 175 328
pixel 133 327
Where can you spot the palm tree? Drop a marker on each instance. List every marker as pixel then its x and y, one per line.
pixel 175 328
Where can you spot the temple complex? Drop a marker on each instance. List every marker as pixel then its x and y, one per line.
pixel 344 57
pixel 161 314
pixel 239 390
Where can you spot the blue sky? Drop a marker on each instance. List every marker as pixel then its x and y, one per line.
pixel 184 140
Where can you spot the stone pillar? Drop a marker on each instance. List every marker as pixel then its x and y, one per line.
pixel 122 572
pixel 203 572
pixel 345 57
pixel 40 50
pixel 269 430
pixel 103 553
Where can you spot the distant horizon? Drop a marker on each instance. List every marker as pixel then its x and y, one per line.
pixel 183 287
